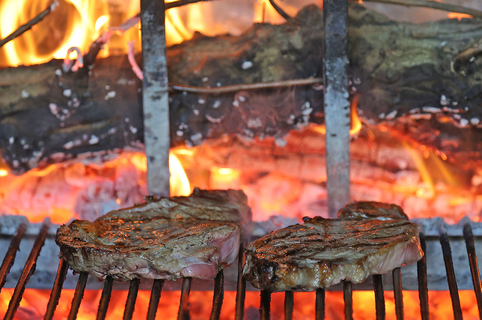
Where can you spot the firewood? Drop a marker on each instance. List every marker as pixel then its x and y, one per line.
pixel 405 74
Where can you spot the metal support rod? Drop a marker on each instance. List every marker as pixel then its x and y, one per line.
pixel 337 106
pixel 184 313
pixel 27 271
pixel 218 296
pixel 154 300
pixel 104 299
pixel 397 292
pixel 474 266
pixel 289 305
pixel 265 304
pixel 9 258
pixel 449 268
pixel 348 298
pixel 379 296
pixel 131 299
pixel 56 290
pixel 78 295
pixel 320 304
pixel 155 96
pixel 241 286
pixel 422 280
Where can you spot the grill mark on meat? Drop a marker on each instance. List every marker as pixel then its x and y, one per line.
pixel 322 252
pixel 162 239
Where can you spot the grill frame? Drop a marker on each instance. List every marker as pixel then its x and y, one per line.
pixel 219 282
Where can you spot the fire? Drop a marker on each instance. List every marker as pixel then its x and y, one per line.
pixel 34 304
pixel 356 123
pixel 458 16
pixel 65 191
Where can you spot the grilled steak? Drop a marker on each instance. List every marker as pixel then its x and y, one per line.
pixel 165 238
pixel 323 252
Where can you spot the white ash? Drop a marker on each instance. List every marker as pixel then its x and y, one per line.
pixel 179 133
pixel 242 98
pixel 391 115
pixel 110 95
pixel 67 93
pixel 133 129
pixel 25 94
pixel 464 122
pixel 357 81
pixel 216 104
pixel 236 103
pixel 280 142
pixel 218 84
pixel 183 126
pixel 58 72
pixel 246 65
pixel 93 139
pixel 11 140
pixel 214 120
pixel 429 109
pixel 205 79
pixel 197 137
pixel 112 131
pixel 381 116
pixel 196 112
pixel 107 87
pixel 201 101
pixel 474 121
pixel 254 123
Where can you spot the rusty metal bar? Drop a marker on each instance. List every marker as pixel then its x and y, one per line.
pixel 265 304
pixel 218 296
pixel 56 290
pixel 320 304
pixel 154 300
pixel 131 299
pixel 155 96
pixel 78 295
pixel 474 266
pixel 397 292
pixel 105 298
pixel 422 280
pixel 28 270
pixel 348 297
pixel 449 268
pixel 379 296
pixel 9 258
pixel 337 106
pixel 241 286
pixel 289 305
pixel 184 313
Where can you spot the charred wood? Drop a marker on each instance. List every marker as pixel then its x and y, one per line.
pixel 405 73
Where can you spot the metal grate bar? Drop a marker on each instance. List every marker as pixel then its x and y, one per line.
pixel 105 299
pixel 241 286
pixel 474 266
pixel 264 309
pixel 56 290
pixel 78 295
pixel 155 296
pixel 320 304
pixel 28 270
pixel 131 299
pixel 422 280
pixel 218 296
pixel 289 305
pixel 379 296
pixel 397 292
pixel 11 253
pixel 348 297
pixel 449 268
pixel 184 304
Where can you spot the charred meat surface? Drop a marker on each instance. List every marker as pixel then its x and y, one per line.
pixel 165 238
pixel 323 252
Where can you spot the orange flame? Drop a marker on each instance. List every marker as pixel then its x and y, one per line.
pixel 458 16
pixel 356 123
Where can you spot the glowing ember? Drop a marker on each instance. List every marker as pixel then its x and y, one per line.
pixel 34 304
pixel 458 16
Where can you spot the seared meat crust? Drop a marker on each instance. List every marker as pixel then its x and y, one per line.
pixel 169 238
pixel 323 252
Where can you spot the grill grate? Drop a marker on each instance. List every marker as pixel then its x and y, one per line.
pixel 265 296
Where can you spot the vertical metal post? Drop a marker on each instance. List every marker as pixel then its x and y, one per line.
pixel 337 106
pixel 155 96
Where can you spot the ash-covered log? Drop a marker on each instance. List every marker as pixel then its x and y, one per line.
pixel 423 81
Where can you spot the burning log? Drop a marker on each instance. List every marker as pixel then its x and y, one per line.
pixel 414 79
